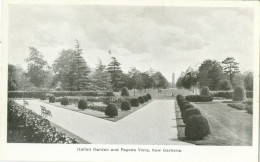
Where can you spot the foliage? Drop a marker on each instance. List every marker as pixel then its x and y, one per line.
pixel 51 99
pixel 145 98
pixel 249 94
pixel 159 80
pixel 226 95
pixel 134 102
pixel 82 104
pixel 230 67
pixel 238 106
pixel 189 112
pixel 111 110
pixel 64 101
pixel 237 80
pixel 125 92
pixel 198 98
pixel 43 97
pixel 116 74
pixel 204 91
pixel 249 106
pixel 149 96
pixel 248 81
pixel 189 78
pixel 239 94
pixel 141 99
pixel 197 127
pixel 125 105
pixel 185 107
pixel 224 84
pixel 25 126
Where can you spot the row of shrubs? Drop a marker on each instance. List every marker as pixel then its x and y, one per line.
pixel 197 126
pixel 199 98
pixel 21 94
pixel 126 105
pixel 25 126
pixel 229 95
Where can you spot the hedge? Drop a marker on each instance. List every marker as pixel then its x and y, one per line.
pixel 111 110
pixel 134 102
pixel 82 104
pixel 125 92
pixel 149 96
pixel 198 98
pixel 25 126
pixel 239 94
pixel 52 99
pixel 125 105
pixel 204 91
pixel 37 94
pixel 189 112
pixel 226 95
pixel 141 99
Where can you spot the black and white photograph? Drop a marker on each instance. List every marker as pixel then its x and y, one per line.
pixel 131 75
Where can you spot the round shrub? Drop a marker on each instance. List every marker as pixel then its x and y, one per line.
pixel 125 105
pixel 239 94
pixel 204 91
pixel 178 97
pixel 51 99
pixel 141 100
pixel 197 127
pixel 186 106
pixel 145 98
pixel 43 97
pixel 189 112
pixel 134 102
pixel 111 110
pixel 149 96
pixel 183 103
pixel 64 101
pixel 125 92
pixel 82 104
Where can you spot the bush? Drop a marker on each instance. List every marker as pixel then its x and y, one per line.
pixel 111 110
pixel 226 95
pixel 204 91
pixel 197 127
pixel 249 106
pixel 198 98
pixel 249 94
pixel 145 98
pixel 125 105
pixel 64 101
pixel 134 102
pixel 109 94
pixel 43 97
pixel 239 94
pixel 182 103
pixel 186 106
pixel 238 106
pixel 125 92
pixel 149 96
pixel 178 97
pixel 52 99
pixel 82 104
pixel 140 99
pixel 224 84
pixel 189 112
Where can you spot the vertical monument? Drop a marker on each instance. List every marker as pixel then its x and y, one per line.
pixel 173 80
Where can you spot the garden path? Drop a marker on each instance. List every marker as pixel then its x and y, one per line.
pixel 154 124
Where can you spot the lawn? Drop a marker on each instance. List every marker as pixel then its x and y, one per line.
pixel 99 114
pixel 229 126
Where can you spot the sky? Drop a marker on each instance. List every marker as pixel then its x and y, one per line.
pixel 167 39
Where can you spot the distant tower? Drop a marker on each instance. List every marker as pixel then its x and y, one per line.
pixel 173 80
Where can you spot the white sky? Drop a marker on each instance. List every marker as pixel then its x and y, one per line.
pixel 168 39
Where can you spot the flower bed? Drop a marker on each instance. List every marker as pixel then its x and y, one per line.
pixel 25 126
pixel 238 106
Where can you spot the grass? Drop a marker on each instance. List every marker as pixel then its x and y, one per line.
pixel 99 114
pixel 228 126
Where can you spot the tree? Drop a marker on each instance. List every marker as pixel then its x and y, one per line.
pixel 209 74
pixel 116 73
pixel 248 81
pixel 159 81
pixel 179 82
pixel 12 78
pixel 190 78
pixel 101 78
pixel 230 67
pixel 38 69
pixel 237 80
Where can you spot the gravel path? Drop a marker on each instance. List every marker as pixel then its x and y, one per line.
pixel 154 124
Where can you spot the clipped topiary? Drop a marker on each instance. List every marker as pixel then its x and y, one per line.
pixel 64 101
pixel 111 110
pixel 183 102
pixel 189 112
pixel 239 94
pixel 134 102
pixel 204 91
pixel 51 99
pixel 125 92
pixel 141 99
pixel 82 104
pixel 149 96
pixel 178 97
pixel 43 97
pixel 125 105
pixel 186 106
pixel 197 127
pixel 145 98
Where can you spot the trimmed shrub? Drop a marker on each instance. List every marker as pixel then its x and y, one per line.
pixel 134 102
pixel 238 106
pixel 43 97
pixel 186 106
pixel 182 103
pixel 82 104
pixel 145 98
pixel 64 101
pixel 249 94
pixel 197 127
pixel 239 94
pixel 178 97
pixel 198 98
pixel 149 96
pixel 125 92
pixel 125 105
pixel 141 99
pixel 111 110
pixel 51 99
pixel 204 91
pixel 189 112
pixel 226 95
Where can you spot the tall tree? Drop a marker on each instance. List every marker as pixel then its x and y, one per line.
pixel 101 78
pixel 248 81
pixel 190 78
pixel 159 81
pixel 230 67
pixel 38 69
pixel 116 73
